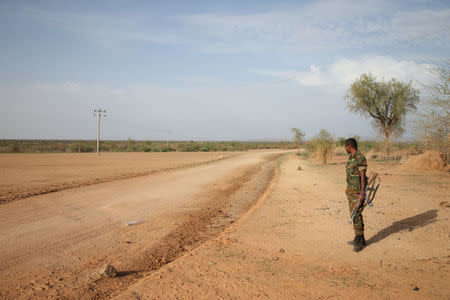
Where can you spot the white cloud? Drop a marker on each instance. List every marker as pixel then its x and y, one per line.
pixel 344 71
pixel 312 78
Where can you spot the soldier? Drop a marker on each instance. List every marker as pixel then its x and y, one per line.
pixel 356 190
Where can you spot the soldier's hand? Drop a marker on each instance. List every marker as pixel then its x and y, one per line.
pixel 361 199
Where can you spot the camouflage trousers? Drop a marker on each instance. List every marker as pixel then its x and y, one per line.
pixel 358 223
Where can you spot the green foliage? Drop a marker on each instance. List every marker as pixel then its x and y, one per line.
pixel 366 146
pixel 167 149
pixel 324 137
pixel 385 102
pixel 304 154
pixel 189 147
pixel 130 145
pixel 15 147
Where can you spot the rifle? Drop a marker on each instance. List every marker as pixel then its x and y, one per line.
pixel 373 184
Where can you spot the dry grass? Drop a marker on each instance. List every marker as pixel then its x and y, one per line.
pixel 379 155
pixel 324 153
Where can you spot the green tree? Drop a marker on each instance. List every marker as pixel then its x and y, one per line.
pixel 298 137
pixel 386 102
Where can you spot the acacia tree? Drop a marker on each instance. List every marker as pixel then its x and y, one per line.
pixel 386 102
pixel 298 137
pixel 433 126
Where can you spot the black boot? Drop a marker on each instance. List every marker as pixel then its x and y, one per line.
pixel 353 242
pixel 358 245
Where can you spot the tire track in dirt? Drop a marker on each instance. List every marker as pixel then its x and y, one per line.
pixel 10 196
pixel 227 201
pixel 243 192
pixel 53 248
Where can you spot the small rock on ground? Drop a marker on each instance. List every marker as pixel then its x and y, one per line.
pixel 108 271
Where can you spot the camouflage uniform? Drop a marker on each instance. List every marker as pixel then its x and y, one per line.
pixel 355 164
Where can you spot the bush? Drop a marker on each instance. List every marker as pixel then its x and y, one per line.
pixel 76 146
pixel 366 146
pixel 322 145
pixel 131 146
pixel 86 148
pixel 190 147
pixel 15 147
pixel 167 149
pixel 304 154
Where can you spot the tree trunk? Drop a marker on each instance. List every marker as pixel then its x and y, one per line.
pixel 387 135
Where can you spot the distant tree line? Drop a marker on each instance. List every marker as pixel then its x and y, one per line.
pixel 130 145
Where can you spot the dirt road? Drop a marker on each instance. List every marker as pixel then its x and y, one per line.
pixel 293 243
pixel 54 245
pixel 25 174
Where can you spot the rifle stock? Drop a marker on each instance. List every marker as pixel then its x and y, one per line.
pixel 372 177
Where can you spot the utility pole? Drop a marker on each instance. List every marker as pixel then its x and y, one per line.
pixel 169 132
pixel 99 113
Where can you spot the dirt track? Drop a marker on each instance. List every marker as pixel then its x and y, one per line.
pixel 292 245
pixel 24 175
pixel 53 245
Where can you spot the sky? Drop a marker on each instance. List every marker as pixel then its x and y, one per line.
pixel 206 70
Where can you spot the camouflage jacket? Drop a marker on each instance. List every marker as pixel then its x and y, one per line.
pixel 355 164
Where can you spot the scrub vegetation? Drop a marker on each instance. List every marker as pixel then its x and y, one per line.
pixel 84 146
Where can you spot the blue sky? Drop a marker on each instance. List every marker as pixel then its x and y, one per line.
pixel 205 69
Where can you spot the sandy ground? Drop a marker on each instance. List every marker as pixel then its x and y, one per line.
pixel 250 226
pixel 24 175
pixel 53 245
pixel 293 243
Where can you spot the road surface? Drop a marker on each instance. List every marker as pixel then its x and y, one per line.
pixel 54 245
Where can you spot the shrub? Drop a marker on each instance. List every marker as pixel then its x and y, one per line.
pixel 167 149
pixel 190 147
pixel 15 147
pixel 86 148
pixel 322 145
